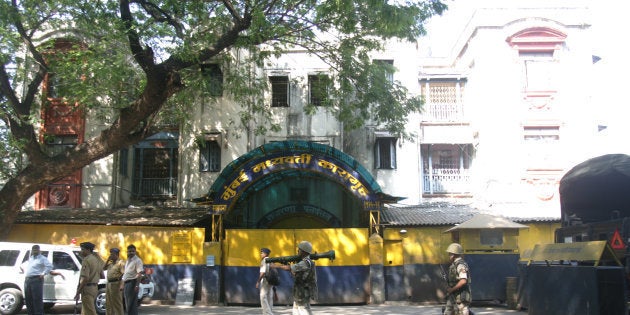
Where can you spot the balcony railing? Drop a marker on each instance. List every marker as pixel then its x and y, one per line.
pixel 447 180
pixel 443 112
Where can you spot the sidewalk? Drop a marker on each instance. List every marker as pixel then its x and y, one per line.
pixel 385 309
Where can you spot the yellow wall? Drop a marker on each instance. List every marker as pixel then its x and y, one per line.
pixel 538 233
pixel 155 245
pixel 242 247
pixel 427 245
pixel 420 245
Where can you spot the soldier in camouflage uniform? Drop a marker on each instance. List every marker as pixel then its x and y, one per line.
pixel 458 292
pixel 305 280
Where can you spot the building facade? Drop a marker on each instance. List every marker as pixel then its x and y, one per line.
pixel 506 114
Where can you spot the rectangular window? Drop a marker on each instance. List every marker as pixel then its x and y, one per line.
pixel 387 64
pixel 541 147
pixel 63 261
pixel 56 144
pixel 214 77
pixel 541 134
pixel 279 91
pixel 540 70
pixel 385 153
pixel 492 237
pixel 155 171
pixel 210 157
pixel 318 88
pixel 123 162
pixel 8 257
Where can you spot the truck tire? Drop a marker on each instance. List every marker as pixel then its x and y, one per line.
pixel 100 301
pixel 11 301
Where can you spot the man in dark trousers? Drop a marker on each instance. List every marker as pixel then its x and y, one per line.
pixel 134 272
pixel 38 267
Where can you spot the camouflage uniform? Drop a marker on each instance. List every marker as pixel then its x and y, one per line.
pixel 304 287
pixel 458 302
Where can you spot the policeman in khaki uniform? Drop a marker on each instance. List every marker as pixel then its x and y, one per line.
pixel 91 269
pixel 458 292
pixel 115 268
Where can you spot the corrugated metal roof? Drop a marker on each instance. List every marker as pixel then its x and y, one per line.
pixel 442 213
pixel 140 216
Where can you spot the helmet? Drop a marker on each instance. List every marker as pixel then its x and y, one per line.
pixel 306 246
pixel 455 249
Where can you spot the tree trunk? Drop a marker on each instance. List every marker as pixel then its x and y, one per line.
pixel 130 127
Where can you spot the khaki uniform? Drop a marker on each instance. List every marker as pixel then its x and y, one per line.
pixel 114 302
pixel 91 268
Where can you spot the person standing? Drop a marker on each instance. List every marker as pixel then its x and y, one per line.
pixel 38 266
pixel 266 289
pixel 133 273
pixel 115 268
pixel 304 279
pixel 458 292
pixel 91 270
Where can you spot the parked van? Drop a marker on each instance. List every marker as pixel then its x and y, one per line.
pixel 65 259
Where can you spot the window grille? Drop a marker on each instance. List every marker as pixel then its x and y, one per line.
pixel 214 76
pixel 317 88
pixel 210 157
pixel 123 162
pixel 155 172
pixel 385 153
pixel 58 143
pixel 279 91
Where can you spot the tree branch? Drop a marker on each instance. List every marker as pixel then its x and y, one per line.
pixel 143 57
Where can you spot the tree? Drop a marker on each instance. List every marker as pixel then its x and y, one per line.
pixel 138 58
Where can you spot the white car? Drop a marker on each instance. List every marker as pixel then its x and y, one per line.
pixel 65 260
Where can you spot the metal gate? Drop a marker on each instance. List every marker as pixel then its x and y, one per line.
pixel 342 281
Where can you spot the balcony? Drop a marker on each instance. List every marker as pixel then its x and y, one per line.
pixel 443 113
pixel 446 181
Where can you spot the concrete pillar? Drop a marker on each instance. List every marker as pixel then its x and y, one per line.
pixel 377 271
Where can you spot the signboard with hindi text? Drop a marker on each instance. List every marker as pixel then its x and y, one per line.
pixel 181 250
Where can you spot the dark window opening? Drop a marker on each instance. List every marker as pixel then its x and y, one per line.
pixel 385 153
pixel 279 91
pixel 214 76
pixel 155 172
pixel 210 157
pixel 318 88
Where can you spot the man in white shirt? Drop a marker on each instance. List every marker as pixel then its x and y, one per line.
pixel 266 293
pixel 38 266
pixel 134 272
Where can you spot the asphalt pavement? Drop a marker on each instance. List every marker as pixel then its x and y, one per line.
pixel 384 309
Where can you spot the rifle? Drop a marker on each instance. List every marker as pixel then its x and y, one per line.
pixel 285 260
pixel 445 278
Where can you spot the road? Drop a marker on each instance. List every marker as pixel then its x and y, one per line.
pixel 386 309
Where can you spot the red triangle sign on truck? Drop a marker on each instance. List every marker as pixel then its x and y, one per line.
pixel 616 242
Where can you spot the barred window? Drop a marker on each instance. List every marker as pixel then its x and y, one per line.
pixel 210 157
pixel 385 153
pixel 279 91
pixel 318 88
pixel 214 77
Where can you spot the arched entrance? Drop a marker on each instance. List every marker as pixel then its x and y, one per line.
pixel 283 192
